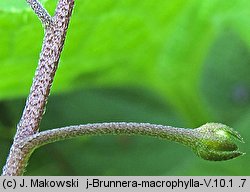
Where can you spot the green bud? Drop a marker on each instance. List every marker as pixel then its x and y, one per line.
pixel 216 142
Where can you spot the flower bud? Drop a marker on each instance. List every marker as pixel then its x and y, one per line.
pixel 216 142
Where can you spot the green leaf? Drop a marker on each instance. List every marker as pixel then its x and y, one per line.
pixel 161 46
pixel 15 6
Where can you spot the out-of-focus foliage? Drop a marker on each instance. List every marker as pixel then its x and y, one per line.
pixel 15 5
pixel 182 63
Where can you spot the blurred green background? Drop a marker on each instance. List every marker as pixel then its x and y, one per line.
pixel 181 63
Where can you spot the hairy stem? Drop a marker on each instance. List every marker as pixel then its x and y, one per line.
pixel 55 32
pixel 49 57
pixel 42 13
pixel 206 141
pixel 180 135
pixel 27 145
